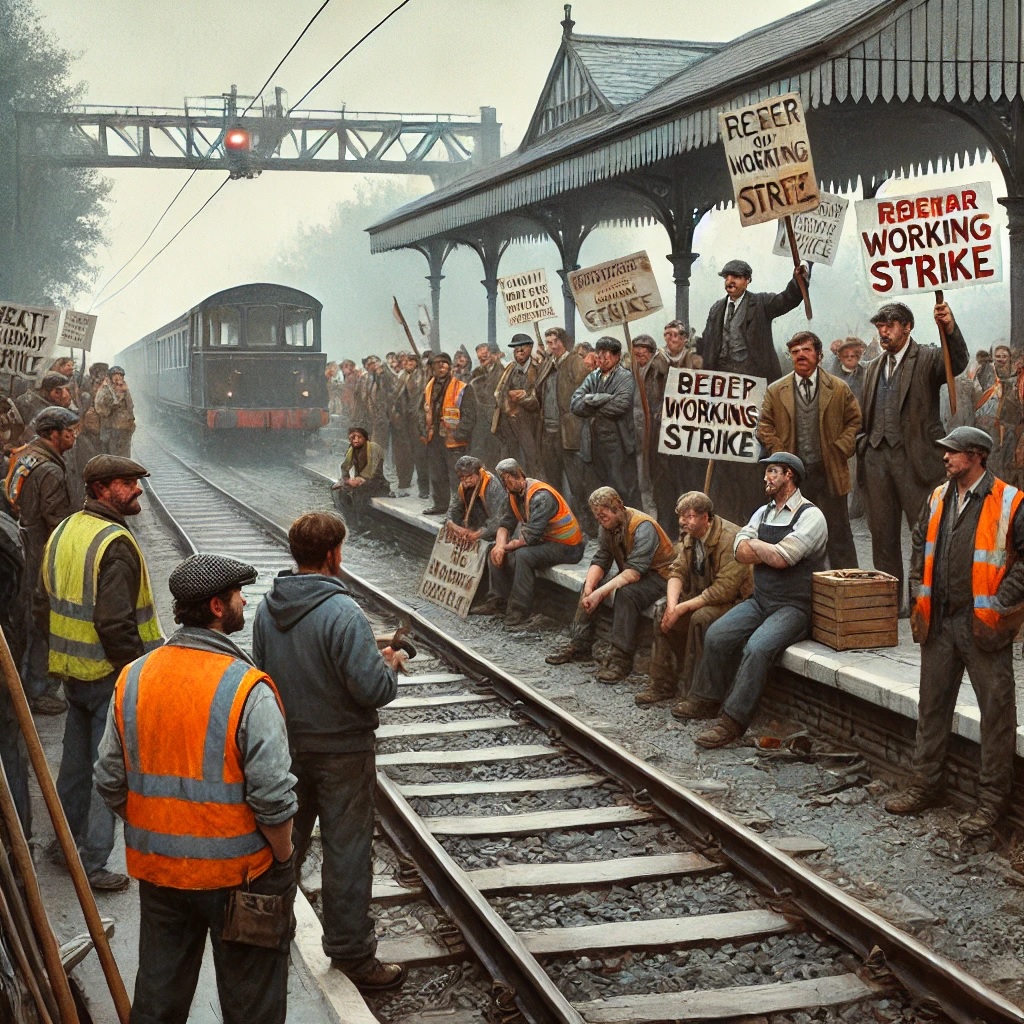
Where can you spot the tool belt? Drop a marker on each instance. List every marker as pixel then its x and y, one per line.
pixel 263 913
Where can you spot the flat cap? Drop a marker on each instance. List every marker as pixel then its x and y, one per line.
pixel 518 340
pixel 961 438
pixel 53 417
pixel 110 467
pixel 645 341
pixel 440 357
pixel 52 380
pixel 741 268
pixel 203 576
pixel 787 459
pixel 894 312
pixel 851 343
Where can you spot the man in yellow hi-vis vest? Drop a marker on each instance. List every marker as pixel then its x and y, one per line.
pixel 99 602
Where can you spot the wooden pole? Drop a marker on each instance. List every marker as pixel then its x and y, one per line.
pixel 791 235
pixel 707 477
pixel 645 440
pixel 28 975
pixel 540 340
pixel 946 358
pixel 67 843
pixel 401 319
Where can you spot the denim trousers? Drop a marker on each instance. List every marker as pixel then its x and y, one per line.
pixel 90 820
pixel 740 648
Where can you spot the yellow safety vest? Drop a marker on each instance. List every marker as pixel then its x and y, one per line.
pixel 71 572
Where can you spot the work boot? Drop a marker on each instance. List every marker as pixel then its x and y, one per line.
pixel 981 821
pixel 492 606
pixel 102 880
pixel 724 731
pixel 435 510
pixel 569 652
pixel 48 704
pixel 655 692
pixel 516 616
pixel 913 800
pixel 372 975
pixel 616 668
pixel 695 707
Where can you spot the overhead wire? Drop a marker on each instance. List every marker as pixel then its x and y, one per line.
pixel 167 208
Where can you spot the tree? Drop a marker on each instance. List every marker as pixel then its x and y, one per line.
pixel 50 218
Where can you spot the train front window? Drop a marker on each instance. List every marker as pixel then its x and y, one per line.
pixel 224 326
pixel 261 326
pixel 298 327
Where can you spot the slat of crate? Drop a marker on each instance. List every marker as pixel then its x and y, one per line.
pixel 875 614
pixel 831 599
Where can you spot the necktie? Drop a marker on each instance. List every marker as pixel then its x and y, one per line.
pixel 730 313
pixel 806 385
pixel 891 369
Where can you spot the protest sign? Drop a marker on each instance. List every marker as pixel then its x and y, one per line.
pixel 817 232
pixel 615 292
pixel 77 330
pixel 769 158
pixel 526 297
pixel 453 573
pixel 28 336
pixel 930 241
pixel 706 414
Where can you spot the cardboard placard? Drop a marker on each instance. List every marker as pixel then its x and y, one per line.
pixel 615 292
pixel 526 297
pixel 930 241
pixel 77 330
pixel 769 157
pixel 453 574
pixel 28 336
pixel 817 232
pixel 707 414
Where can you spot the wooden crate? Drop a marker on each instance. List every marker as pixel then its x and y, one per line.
pixel 855 609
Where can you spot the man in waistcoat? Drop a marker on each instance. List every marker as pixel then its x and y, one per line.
pixel 967 581
pixel 642 554
pixel 815 415
pixel 897 459
pixel 785 542
pixel 516 421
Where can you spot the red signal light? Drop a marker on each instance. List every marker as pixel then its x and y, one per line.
pixel 237 140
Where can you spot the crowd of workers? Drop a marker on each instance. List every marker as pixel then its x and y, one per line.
pixel 219 762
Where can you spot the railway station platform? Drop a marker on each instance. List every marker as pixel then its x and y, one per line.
pixel 867 699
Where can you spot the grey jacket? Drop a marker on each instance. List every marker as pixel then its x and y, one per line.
pixel 314 641
pixel 611 400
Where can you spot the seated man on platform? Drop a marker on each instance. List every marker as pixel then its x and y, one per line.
pixel 476 503
pixel 642 554
pixel 361 478
pixel 785 542
pixel 548 535
pixel 704 582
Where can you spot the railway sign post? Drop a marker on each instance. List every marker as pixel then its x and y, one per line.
pixel 453 573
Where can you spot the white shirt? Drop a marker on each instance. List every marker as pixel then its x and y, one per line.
pixel 809 536
pixel 899 356
pixel 736 303
pixel 799 384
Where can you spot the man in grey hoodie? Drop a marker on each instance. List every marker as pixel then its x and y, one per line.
pixel 313 640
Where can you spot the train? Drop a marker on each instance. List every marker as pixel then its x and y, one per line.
pixel 246 358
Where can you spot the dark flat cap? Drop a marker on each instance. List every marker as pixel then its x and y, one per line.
pixel 962 438
pixel 645 341
pixel 52 380
pixel 110 467
pixel 440 357
pixel 203 576
pixel 518 340
pixel 741 268
pixel 116 369
pixel 788 460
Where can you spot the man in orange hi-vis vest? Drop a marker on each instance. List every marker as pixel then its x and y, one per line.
pixel 195 760
pixel 967 586
pixel 548 534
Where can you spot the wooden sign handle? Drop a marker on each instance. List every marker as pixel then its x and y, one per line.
pixel 950 379
pixel 645 440
pixel 536 331
pixel 791 235
pixel 707 476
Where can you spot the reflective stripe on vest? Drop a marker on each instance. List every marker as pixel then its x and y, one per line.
pixel 187 824
pixel 451 410
pixel 993 550
pixel 71 572
pixel 562 528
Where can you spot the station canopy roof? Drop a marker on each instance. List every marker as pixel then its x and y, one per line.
pixel 614 106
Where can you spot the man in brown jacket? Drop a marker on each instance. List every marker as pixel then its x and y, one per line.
pixel 517 413
pixel 704 582
pixel 814 415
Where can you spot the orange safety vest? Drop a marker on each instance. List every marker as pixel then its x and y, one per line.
pixel 663 557
pixel 993 554
pixel 187 825
pixel 451 411
pixel 562 528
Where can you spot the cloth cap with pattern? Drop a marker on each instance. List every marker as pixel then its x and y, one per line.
pixel 204 576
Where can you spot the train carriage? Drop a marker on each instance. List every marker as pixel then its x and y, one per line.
pixel 246 358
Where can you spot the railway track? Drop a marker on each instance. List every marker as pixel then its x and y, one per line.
pixel 587 885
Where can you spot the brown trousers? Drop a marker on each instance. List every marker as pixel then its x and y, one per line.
pixel 676 655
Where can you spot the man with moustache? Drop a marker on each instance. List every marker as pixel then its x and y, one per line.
pixel 517 412
pixel 447 419
pixel 967 582
pixel 897 458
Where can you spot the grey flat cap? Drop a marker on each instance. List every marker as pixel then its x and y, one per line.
pixel 962 438
pixel 741 268
pixel 787 459
pixel 111 467
pixel 53 417
pixel 52 380
pixel 204 576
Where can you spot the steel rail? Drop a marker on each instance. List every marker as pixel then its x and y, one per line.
pixel 927 975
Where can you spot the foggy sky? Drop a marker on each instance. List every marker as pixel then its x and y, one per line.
pixel 433 56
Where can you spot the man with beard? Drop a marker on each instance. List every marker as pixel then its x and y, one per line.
pixel 785 542
pixel 446 425
pixel 517 412
pixel 361 478
pixel 102 615
pixel 484 382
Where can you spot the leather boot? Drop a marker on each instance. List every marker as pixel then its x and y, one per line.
pixel 655 692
